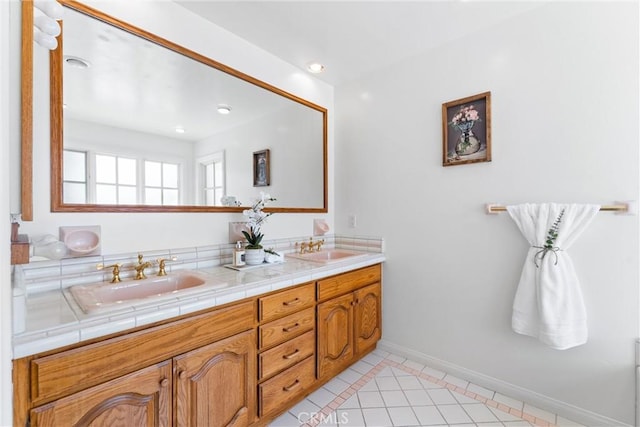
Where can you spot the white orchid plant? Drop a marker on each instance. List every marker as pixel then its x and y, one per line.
pixel 255 218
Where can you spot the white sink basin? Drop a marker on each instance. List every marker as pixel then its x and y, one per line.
pixel 108 296
pixel 328 256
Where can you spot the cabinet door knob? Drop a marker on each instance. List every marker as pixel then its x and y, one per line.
pixel 164 382
pixel 182 375
pixel 291 355
pixel 294 385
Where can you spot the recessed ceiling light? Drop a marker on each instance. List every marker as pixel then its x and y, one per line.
pixel 179 129
pixel 75 62
pixel 224 109
pixel 315 67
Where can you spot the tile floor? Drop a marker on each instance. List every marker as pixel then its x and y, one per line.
pixel 384 389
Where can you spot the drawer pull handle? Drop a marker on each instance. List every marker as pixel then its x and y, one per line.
pixel 291 328
pixel 292 355
pixel 164 382
pixel 292 302
pixel 295 384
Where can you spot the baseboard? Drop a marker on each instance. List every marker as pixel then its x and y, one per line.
pixel 538 400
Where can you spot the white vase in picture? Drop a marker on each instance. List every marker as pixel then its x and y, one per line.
pixel 254 256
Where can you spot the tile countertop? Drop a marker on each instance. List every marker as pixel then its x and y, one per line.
pixel 53 318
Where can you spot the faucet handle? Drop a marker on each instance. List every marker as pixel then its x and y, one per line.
pixel 161 264
pixel 115 274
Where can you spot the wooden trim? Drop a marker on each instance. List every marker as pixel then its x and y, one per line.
pixel 26 112
pixel 57 204
pixel 21 397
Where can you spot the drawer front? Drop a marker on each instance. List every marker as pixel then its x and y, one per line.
pixel 74 370
pixel 287 302
pixel 280 390
pixel 286 354
pixel 286 328
pixel 347 282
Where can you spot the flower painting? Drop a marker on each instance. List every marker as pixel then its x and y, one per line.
pixel 466 130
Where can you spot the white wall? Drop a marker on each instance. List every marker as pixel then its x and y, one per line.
pixel 140 232
pixel 564 83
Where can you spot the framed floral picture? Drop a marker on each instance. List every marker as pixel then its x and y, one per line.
pixel 261 168
pixel 466 130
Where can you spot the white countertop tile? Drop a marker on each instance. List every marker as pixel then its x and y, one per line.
pixel 54 319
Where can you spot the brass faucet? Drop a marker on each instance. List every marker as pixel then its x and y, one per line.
pixel 115 274
pixel 307 247
pixel 140 268
pixel 161 265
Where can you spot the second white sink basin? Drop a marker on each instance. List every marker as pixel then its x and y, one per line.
pixel 107 296
pixel 327 256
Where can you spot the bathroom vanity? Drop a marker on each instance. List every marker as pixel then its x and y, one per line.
pixel 240 363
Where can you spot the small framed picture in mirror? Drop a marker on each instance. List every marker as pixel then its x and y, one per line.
pixel 261 169
pixel 466 130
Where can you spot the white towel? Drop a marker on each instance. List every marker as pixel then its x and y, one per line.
pixel 549 303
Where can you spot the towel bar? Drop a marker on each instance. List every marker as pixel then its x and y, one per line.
pixel 622 207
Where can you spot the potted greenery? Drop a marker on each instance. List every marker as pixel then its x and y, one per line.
pixel 254 252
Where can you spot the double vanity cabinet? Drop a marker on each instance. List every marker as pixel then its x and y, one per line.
pixel 240 364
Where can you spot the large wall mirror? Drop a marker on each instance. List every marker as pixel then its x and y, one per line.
pixel 139 123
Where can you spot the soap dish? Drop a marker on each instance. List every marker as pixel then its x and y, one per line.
pixel 81 240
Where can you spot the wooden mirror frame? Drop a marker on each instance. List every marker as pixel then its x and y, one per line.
pixel 56 62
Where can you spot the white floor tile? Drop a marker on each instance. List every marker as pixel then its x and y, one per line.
pixel 428 415
pixel 540 413
pixel 321 397
pixel 373 358
pixel 456 381
pixel 285 420
pixel 362 367
pixel 370 399
pixel 388 383
pixel 381 353
pixel 370 386
pixel 441 396
pixel 377 417
pixel 428 384
pixel 396 358
pixel 350 418
pixel 394 398
pixel 337 386
pixel 479 413
pixel 409 383
pixel 521 423
pixel 481 391
pixel 434 372
pixel 385 372
pixel 418 397
pixel 403 417
pixel 513 403
pixel 351 402
pixel 303 409
pixel 414 365
pixel 454 414
pixel 350 376
pixel 461 398
pixel 504 416
pixel 399 372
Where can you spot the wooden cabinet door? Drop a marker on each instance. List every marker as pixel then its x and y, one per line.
pixel 367 316
pixel 142 398
pixel 216 384
pixel 335 335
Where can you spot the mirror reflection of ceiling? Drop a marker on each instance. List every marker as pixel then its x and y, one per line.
pixel 352 38
pixel 131 83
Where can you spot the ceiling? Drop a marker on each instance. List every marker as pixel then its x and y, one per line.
pixel 352 38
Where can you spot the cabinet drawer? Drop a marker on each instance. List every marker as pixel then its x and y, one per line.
pixel 287 302
pixel 280 390
pixel 286 328
pixel 347 282
pixel 286 354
